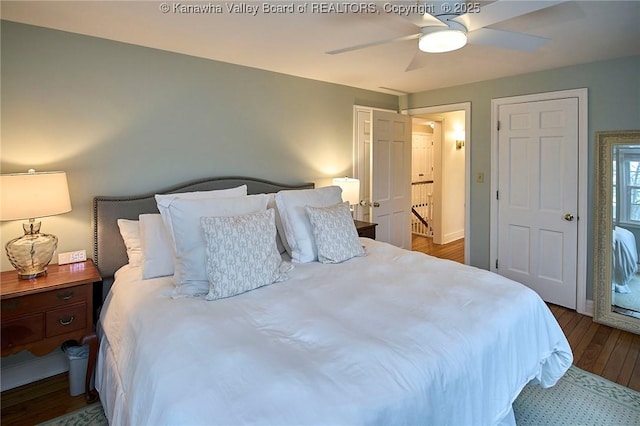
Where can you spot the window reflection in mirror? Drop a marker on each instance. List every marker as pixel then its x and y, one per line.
pixel 625 296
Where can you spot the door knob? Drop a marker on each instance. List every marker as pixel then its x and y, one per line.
pixel 568 217
pixel 365 203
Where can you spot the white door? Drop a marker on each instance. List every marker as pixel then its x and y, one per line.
pixel 391 177
pixel 538 197
pixel 422 158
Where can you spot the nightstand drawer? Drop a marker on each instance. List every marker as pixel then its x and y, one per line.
pixel 23 330
pixel 12 308
pixel 66 320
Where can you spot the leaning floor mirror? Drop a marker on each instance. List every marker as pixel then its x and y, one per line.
pixel 617 224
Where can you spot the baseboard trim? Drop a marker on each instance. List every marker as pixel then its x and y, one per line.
pixel 588 308
pixel 24 368
pixel 453 236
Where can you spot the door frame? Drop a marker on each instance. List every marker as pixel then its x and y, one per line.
pixel 582 305
pixel 466 107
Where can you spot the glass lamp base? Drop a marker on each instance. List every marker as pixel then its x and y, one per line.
pixel 31 253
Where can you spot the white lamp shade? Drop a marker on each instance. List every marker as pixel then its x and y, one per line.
pixel 350 189
pixel 31 195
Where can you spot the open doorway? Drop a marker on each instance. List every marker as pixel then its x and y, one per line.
pixel 440 171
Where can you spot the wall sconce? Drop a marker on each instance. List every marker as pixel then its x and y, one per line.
pixel 28 196
pixel 459 135
pixel 350 190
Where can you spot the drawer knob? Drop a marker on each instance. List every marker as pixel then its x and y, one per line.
pixel 66 295
pixel 66 321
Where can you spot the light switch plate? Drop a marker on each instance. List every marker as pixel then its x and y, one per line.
pixel 72 257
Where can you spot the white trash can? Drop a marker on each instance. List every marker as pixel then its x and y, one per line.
pixel 78 359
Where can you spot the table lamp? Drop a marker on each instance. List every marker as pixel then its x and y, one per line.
pixel 350 190
pixel 28 196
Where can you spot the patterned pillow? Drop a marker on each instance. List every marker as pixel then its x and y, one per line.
pixel 335 233
pixel 241 253
pixel 182 219
pixel 294 223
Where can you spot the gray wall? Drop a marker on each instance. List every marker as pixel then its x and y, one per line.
pixel 123 119
pixel 614 104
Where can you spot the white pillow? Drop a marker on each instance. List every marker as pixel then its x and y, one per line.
pixel 163 200
pixel 335 233
pixel 241 253
pixel 281 241
pixel 182 218
pixel 157 253
pixel 130 232
pixel 295 220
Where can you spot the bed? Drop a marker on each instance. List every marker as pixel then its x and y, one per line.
pixel 348 334
pixel 625 259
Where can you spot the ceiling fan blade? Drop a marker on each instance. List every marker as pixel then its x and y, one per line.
pixel 373 43
pixel 506 39
pixel 420 60
pixel 425 20
pixel 502 10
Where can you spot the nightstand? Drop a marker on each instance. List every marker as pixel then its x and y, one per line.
pixel 366 229
pixel 40 314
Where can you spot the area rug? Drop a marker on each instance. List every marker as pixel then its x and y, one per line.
pixel 579 398
pixel 91 415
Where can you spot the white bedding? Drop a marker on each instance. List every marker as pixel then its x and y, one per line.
pixel 395 337
pixel 625 259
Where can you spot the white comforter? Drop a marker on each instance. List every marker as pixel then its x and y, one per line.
pixel 625 259
pixel 395 337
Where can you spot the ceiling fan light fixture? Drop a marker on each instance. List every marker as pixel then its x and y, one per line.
pixel 440 40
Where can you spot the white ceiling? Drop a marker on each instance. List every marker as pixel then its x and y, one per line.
pixel 295 43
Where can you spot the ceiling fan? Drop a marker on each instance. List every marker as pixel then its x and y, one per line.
pixel 444 27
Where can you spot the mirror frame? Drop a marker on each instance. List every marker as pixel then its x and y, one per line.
pixel 605 142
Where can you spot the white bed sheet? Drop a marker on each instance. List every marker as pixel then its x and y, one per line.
pixel 625 259
pixel 395 337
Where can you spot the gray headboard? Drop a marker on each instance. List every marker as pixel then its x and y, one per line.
pixel 109 250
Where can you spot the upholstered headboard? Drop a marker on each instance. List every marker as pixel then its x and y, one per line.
pixel 109 250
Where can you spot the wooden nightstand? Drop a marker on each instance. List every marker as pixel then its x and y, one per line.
pixel 366 229
pixel 40 314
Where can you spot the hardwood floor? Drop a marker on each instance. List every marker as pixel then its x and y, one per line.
pixel 602 350
pixel 452 251
pixel 599 349
pixel 38 402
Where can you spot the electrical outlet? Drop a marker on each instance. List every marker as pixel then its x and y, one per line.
pixel 72 257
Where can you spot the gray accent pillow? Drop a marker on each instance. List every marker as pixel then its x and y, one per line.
pixel 241 253
pixel 335 233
